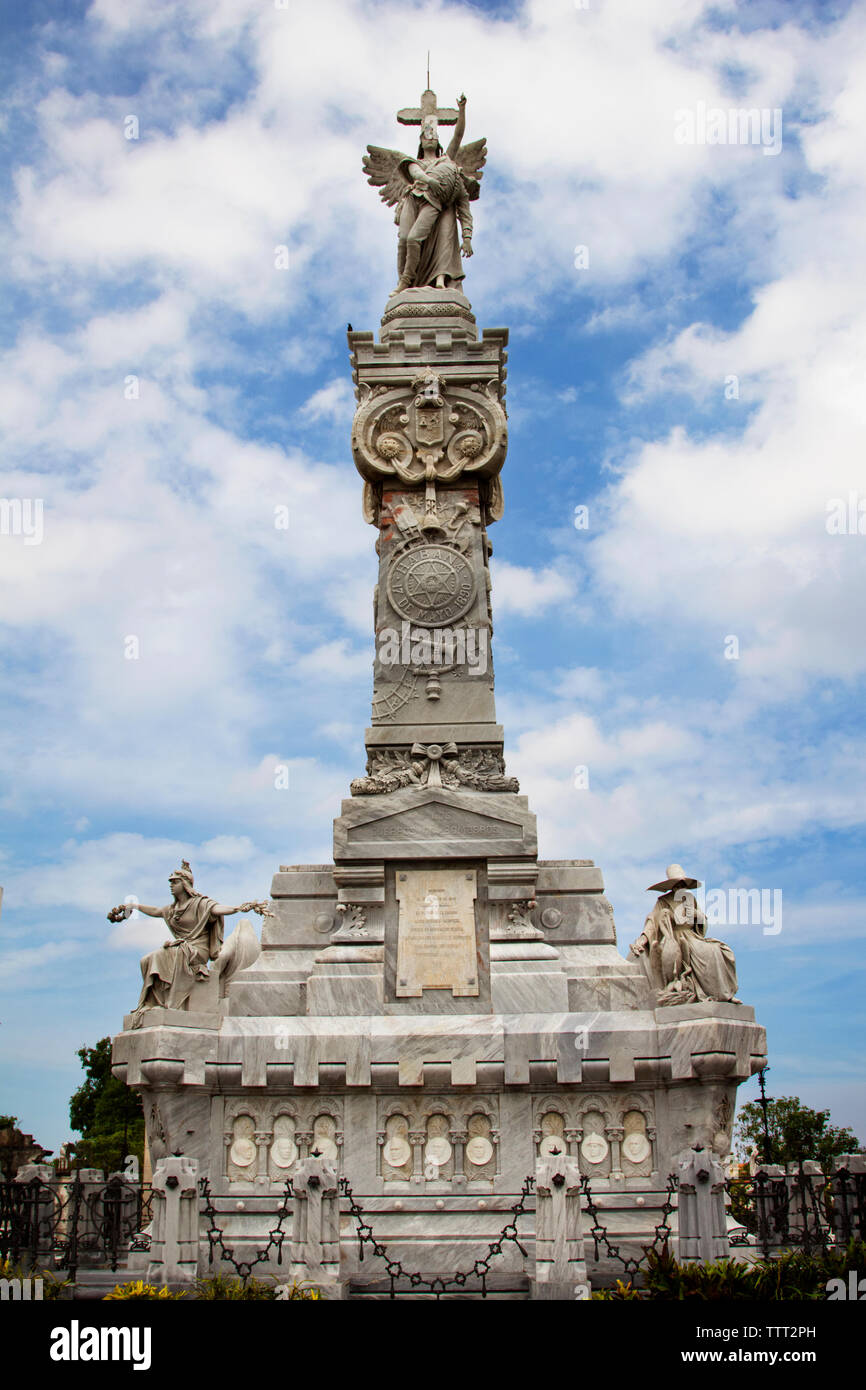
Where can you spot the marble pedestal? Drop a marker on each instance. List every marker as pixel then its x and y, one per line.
pixel 436 1107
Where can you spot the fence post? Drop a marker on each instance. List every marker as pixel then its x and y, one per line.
pixel 174 1250
pixel 560 1267
pixel 806 1183
pixel 315 1246
pixel 35 1230
pixel 771 1205
pixel 849 1198
pixel 703 1233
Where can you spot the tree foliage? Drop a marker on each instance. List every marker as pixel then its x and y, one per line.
pixel 107 1114
pixel 796 1133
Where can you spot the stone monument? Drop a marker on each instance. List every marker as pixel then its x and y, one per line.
pixel 437 1009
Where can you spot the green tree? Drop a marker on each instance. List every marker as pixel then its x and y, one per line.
pixel 796 1133
pixel 106 1113
pixel 8 1121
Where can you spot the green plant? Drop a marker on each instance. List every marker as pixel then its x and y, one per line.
pixel 107 1114
pixel 794 1275
pixel 226 1286
pixel 139 1292
pixel 796 1133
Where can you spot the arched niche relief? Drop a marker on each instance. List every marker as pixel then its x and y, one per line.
pixel 396 1148
pixel 438 1146
pixel 479 1155
pixel 327 1136
pixel 283 1153
pixel 242 1151
pixel 637 1149
pixel 594 1150
pixel 551 1133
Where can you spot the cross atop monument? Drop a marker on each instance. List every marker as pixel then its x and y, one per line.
pixel 417 115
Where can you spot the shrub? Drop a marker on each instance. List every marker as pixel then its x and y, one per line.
pixel 794 1275
pixel 140 1292
pixel 225 1286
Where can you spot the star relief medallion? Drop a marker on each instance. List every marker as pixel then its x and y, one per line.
pixel 431 584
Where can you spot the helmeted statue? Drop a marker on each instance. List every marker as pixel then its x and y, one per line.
pixel 196 923
pixel 431 192
pixel 682 963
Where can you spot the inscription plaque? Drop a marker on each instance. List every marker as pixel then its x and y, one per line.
pixel 436 932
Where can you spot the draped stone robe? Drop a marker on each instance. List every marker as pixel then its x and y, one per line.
pixel 683 964
pixel 170 972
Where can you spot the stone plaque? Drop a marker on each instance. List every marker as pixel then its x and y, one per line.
pixel 436 932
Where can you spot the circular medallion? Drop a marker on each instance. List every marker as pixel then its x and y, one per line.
pixel 397 1152
pixel 438 1151
pixel 551 918
pixel 327 1148
pixel 431 584
pixel 242 1153
pixel 552 1146
pixel 635 1147
pixel 594 1148
pixel 479 1150
pixel 323 921
pixel 284 1151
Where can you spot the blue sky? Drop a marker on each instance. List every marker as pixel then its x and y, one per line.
pixel 153 258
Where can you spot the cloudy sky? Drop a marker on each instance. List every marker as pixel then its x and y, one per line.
pixel 688 323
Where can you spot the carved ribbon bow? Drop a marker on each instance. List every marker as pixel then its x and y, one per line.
pixel 434 753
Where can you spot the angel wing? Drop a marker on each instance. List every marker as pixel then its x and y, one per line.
pixel 385 170
pixel 471 159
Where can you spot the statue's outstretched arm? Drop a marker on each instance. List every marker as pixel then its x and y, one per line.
pixel 221 910
pixel 459 129
pixel 125 910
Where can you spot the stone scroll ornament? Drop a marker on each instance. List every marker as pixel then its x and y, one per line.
pixel 430 432
pixel 430 193
pixel 434 765
pixel 196 924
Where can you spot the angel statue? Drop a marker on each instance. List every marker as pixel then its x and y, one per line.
pixel 432 193
pixel 196 923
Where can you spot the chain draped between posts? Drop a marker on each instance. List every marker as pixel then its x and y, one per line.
pixel 600 1236
pixel 276 1236
pixel 439 1284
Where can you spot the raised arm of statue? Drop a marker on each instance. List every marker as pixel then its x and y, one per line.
pixel 459 129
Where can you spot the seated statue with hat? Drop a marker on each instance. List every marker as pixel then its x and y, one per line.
pixel 682 963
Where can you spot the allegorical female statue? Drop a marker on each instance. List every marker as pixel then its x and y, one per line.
pixel 682 963
pixel 196 923
pixel 432 193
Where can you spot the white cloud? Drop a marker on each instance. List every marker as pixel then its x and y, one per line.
pixel 525 591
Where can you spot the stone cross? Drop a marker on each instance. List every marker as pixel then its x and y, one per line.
pixel 417 115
